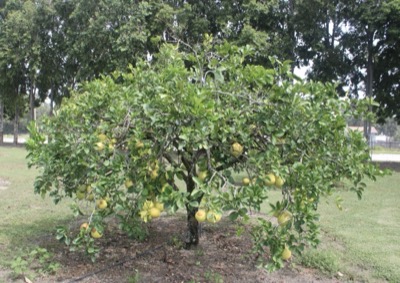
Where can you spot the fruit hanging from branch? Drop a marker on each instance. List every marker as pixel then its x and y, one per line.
pixel 201 215
pixel 270 179
pixel 236 149
pixel 286 254
pixel 95 234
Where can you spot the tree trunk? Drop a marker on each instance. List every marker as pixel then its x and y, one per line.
pixel 32 103
pixel 292 34
pixel 16 122
pixel 327 33
pixel 193 235
pixel 1 122
pixel 335 25
pixel 368 83
pixel 51 101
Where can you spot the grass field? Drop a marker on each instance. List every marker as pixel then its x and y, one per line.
pixel 369 229
pixel 361 241
pixel 25 217
pixel 384 150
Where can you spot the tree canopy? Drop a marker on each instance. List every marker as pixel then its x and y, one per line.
pixel 176 131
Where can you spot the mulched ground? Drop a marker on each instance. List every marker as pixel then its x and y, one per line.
pixel 221 256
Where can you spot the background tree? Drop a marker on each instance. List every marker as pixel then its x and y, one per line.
pixel 363 33
pixel 165 135
pixel 389 128
pixel 68 42
pixel 386 72
pixel 52 81
pixel 15 39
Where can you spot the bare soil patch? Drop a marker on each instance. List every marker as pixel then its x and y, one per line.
pixel 221 256
pixel 4 184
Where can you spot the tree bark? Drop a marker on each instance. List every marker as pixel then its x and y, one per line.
pixel 368 83
pixel 327 33
pixel 16 122
pixel 292 34
pixel 193 235
pixel 1 122
pixel 32 103
pixel 51 101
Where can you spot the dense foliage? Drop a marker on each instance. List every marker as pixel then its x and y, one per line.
pixel 175 132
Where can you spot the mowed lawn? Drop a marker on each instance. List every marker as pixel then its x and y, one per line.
pixel 369 228
pixel 25 216
pixel 361 241
pixel 364 237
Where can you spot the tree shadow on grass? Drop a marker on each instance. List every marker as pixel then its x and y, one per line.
pixel 21 237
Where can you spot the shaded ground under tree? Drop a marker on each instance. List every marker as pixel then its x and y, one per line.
pixel 221 256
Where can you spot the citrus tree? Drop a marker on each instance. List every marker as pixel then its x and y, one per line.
pixel 176 133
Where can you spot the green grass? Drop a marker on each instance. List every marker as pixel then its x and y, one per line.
pixel 369 229
pixel 327 261
pixel 384 150
pixel 26 218
pixel 361 240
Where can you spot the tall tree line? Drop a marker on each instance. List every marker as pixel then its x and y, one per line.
pixel 48 47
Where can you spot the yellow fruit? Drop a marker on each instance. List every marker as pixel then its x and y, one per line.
pixel 101 203
pixel 80 195
pixel 102 137
pixel 99 146
pixel 270 180
pixel 236 149
pixel 139 145
pixel 159 206
pixel 284 217
pixel 246 181
pixel 144 215
pixel 154 165
pixel 90 197
pixel 218 217
pixel 154 212
pixel 147 205
pixel 201 215
pixel 286 254
pixel 84 226
pixel 279 182
pixel 213 217
pixel 154 174
pixel 95 234
pixel 82 188
pixel 111 146
pixel 202 175
pixel 128 183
